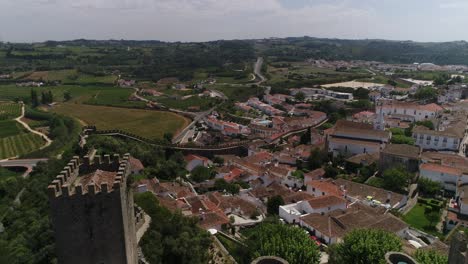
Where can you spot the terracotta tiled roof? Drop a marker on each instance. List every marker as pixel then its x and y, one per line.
pixel 441 169
pixel 325 201
pixel 297 197
pixel 354 141
pixel 315 174
pixel 98 177
pixel 358 129
pixel 136 164
pixel 212 219
pixel 326 186
pixel 402 150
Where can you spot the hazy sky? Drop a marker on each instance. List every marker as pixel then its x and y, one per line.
pixel 200 20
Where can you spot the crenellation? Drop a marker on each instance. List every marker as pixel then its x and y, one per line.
pixel 66 190
pixel 91 189
pixel 79 189
pixel 104 187
pixel 62 179
pixel 52 191
pixel 97 160
pixel 57 184
pixel 95 190
pixel 107 159
pixel 86 160
pixel 116 158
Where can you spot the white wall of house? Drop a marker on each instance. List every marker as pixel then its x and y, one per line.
pixel 463 208
pixel 351 149
pixel 449 181
pixel 290 213
pixel 418 114
pixel 428 141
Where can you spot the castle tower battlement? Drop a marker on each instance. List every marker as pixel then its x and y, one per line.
pixel 68 182
pixel 90 199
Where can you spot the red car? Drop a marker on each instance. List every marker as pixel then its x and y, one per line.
pixel 316 240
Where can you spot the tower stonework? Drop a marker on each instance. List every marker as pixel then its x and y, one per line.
pixel 92 212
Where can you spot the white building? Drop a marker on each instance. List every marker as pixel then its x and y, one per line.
pixel 449 177
pixel 411 111
pixel 291 213
pixel 351 138
pixel 316 93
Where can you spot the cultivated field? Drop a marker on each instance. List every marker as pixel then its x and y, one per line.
pixel 19 145
pixel 16 141
pixel 9 110
pixel 145 123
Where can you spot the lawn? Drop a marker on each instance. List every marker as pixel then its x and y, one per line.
pixel 70 76
pixel 145 123
pixel 416 218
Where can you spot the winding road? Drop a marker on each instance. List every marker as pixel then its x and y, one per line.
pixel 42 135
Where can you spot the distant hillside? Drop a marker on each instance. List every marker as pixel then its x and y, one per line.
pixel 293 49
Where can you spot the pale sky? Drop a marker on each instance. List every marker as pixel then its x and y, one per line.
pixel 202 20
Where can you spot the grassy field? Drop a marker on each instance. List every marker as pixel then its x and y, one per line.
pixel 202 102
pixel 416 218
pixel 9 110
pixel 238 92
pixel 69 76
pixel 145 123
pixel 92 94
pixel 10 128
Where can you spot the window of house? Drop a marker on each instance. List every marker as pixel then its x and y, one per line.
pixel 323 193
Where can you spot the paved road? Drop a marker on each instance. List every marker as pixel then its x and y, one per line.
pixel 258 70
pixel 29 164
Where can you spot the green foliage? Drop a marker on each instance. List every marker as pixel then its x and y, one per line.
pixel 426 123
pixel 426 93
pixel 362 104
pixel 396 179
pixel 430 257
pixel 201 173
pixel 402 139
pixel 290 243
pixel 397 131
pixel 300 96
pixel 273 204
pixel 364 246
pixel 429 187
pixel 222 185
pixel 171 237
pixel 317 158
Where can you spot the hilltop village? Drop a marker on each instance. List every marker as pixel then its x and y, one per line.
pixel 232 160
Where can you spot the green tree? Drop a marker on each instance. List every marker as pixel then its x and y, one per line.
pixel 432 214
pixel 396 179
pixel 392 82
pixel 287 242
pixel 428 186
pixel 402 139
pixel 172 237
pixel 300 96
pixel 34 98
pixel 317 158
pixel 273 204
pixel 430 257
pixel 426 93
pixel 67 96
pixel 201 173
pixel 364 246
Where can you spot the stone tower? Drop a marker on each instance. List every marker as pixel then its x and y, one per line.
pixel 92 212
pixel 379 122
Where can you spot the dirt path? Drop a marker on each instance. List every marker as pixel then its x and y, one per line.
pixel 43 136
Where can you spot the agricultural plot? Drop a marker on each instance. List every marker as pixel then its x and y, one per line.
pixel 145 123
pixel 9 110
pixel 19 144
pixel 14 139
